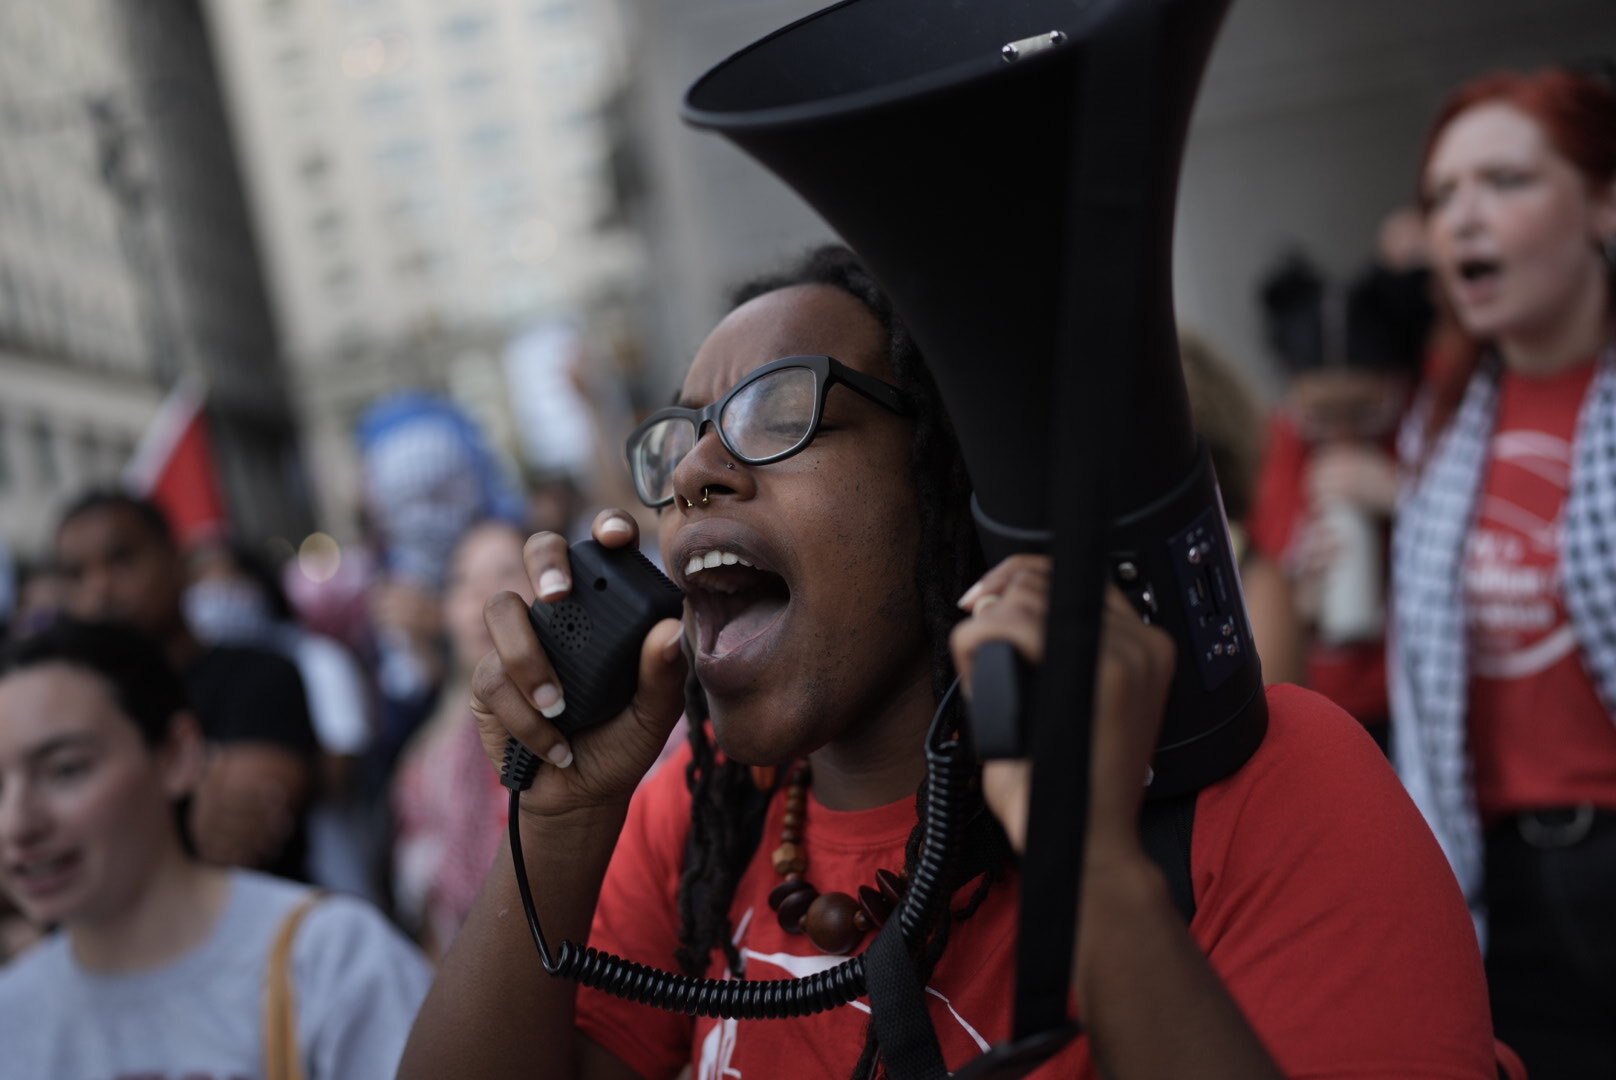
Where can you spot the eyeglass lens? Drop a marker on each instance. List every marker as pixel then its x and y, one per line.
pixel 770 416
pixel 660 450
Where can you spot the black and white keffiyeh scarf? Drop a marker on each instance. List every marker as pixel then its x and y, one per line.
pixel 1427 664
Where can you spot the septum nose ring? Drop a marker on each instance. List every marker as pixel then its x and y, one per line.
pixel 705 499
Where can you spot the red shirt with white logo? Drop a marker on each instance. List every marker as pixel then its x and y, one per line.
pixel 1322 902
pixel 1539 736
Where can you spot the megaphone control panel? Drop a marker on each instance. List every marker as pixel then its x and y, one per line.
pixel 1214 609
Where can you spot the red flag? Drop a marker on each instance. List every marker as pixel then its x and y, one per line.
pixel 174 465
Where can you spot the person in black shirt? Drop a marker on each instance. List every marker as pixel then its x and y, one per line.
pixel 119 561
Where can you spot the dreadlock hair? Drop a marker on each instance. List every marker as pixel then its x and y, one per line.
pixel 723 841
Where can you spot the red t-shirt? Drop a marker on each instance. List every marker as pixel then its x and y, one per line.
pixel 1322 901
pixel 1538 733
pixel 1352 675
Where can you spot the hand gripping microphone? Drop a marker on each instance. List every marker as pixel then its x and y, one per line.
pixel 593 637
pixel 593 640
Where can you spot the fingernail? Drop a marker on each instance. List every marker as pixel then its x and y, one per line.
pixel 670 648
pixel 553 583
pixel 970 596
pixel 559 755
pixel 548 700
pixel 982 604
pixel 615 526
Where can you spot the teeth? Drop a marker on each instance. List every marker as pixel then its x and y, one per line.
pixel 709 559
pixel 42 867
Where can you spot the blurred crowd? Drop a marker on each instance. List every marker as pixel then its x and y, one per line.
pixel 332 694
pixel 1419 522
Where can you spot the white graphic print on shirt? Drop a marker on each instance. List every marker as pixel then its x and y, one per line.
pixel 1517 626
pixel 718 1048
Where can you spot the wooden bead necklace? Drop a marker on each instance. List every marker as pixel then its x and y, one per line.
pixel 834 921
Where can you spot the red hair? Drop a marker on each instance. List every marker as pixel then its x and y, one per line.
pixel 1578 116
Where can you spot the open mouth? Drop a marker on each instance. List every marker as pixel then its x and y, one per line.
pixel 734 600
pixel 1473 270
pixel 42 874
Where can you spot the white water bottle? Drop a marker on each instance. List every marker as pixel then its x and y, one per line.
pixel 1352 596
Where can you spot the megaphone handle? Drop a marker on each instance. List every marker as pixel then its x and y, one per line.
pixel 1002 688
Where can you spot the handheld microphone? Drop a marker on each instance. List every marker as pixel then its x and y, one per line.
pixel 593 639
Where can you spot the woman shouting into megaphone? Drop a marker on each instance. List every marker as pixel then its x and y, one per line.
pixel 814 509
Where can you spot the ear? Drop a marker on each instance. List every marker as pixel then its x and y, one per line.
pixel 183 756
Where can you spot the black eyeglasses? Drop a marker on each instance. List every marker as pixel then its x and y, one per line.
pixel 767 416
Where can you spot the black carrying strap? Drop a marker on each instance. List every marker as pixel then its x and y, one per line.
pixel 903 1027
pixel 1102 328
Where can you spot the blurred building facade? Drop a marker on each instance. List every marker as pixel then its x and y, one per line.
pixel 431 177
pixel 126 262
pixel 76 363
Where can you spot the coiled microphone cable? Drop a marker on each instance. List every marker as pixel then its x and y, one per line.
pixel 947 779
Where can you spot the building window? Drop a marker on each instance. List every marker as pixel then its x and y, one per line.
pixel 340 279
pixel 387 98
pixel 327 224
pixel 489 138
pixel 6 475
pixel 415 208
pixel 315 166
pixel 577 121
pixel 402 154
pixel 472 83
pixel 502 193
pixel 89 454
pixel 351 343
pixel 46 467
pixel 293 61
pixel 553 13
pixel 465 27
pixel 576 67
pixel 419 264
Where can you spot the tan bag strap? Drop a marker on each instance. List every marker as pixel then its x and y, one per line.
pixel 282 1061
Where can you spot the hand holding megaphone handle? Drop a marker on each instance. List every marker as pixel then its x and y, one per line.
pixel 1004 686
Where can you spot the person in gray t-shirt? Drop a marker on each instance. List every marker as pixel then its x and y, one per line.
pixel 159 964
